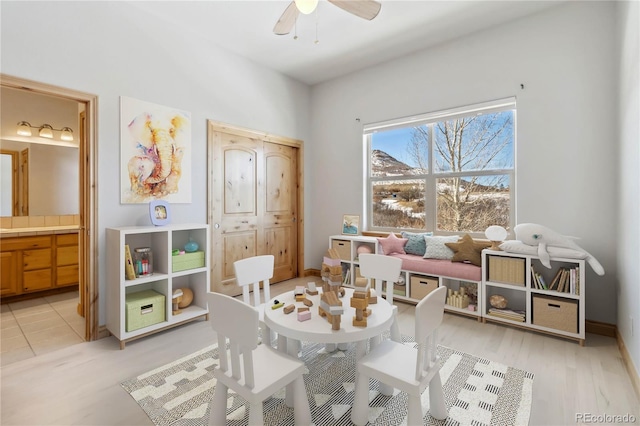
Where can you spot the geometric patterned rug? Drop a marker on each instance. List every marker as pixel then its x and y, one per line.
pixel 477 392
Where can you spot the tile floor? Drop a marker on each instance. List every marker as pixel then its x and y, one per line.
pixel 35 327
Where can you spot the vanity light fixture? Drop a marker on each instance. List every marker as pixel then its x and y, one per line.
pixel 67 134
pixel 24 128
pixel 45 131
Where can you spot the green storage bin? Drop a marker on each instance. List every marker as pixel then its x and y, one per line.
pixel 182 262
pixel 144 308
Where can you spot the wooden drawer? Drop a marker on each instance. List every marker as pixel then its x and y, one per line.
pixel 67 239
pixel 25 243
pixel 36 280
pixel 67 256
pixel 67 275
pixel 553 312
pixel 36 259
pixel 344 249
pixel 421 286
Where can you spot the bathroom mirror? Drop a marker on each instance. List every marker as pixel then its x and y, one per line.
pixel 39 179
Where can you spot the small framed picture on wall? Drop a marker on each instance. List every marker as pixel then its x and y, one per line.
pixel 350 224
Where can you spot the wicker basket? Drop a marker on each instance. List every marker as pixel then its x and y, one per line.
pixel 552 312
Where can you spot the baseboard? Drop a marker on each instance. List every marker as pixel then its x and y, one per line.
pixel 601 328
pixel 103 332
pixel 311 273
pixel 626 359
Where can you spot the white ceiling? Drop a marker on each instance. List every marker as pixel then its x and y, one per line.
pixel 346 43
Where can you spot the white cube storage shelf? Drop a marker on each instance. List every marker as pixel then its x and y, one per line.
pixel 347 246
pixel 548 311
pixel 509 275
pixel 162 240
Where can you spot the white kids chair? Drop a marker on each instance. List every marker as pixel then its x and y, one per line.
pixel 379 268
pixel 256 270
pixel 406 368
pixel 255 372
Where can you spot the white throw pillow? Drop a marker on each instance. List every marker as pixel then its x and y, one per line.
pixel 517 246
pixel 436 248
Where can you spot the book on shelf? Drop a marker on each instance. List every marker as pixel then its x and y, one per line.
pixel 510 314
pixel 538 280
pixel 577 280
pixel 556 280
pixel 534 279
pixel 347 276
pixel 129 272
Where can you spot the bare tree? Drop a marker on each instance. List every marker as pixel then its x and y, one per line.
pixel 468 144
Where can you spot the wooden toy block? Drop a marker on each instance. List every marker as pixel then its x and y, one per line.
pixel 307 302
pixel 361 282
pixel 333 253
pixel 300 297
pixel 289 308
pixel 336 278
pixel 298 290
pixel 359 303
pixel 303 308
pixel 277 305
pixel 304 315
pixel 366 312
pixel 359 323
pixel 311 288
pixel 335 322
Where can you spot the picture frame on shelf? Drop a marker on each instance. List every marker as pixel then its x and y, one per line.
pixel 159 212
pixel 350 224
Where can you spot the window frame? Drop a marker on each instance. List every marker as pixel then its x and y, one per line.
pixel 431 178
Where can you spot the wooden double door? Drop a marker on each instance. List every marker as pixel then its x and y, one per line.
pixel 254 202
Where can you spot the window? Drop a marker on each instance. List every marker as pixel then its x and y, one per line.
pixel 450 171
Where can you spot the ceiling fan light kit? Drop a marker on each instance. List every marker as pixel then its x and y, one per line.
pixel 306 6
pixel 365 9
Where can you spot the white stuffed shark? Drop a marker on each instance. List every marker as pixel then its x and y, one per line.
pixel 537 235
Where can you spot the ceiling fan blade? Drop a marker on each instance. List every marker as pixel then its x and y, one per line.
pixel 366 9
pixel 287 20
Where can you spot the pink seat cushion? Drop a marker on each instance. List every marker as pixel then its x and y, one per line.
pixel 444 268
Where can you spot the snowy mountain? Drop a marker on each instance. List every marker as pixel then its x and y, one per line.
pixel 383 164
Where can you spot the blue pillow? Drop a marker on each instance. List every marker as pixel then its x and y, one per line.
pixel 416 243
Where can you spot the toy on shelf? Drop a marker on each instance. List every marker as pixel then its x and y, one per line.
pixel 533 234
pixel 331 308
pixel 458 299
pixel 187 298
pixel 175 301
pixel 498 301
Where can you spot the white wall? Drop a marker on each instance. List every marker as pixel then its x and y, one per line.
pixel 110 49
pixel 566 125
pixel 629 175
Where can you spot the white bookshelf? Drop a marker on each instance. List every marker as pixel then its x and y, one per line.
pixel 162 240
pixel 548 311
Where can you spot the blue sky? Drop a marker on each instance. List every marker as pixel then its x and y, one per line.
pixel 390 142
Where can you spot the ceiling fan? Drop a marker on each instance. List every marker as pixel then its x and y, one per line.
pixel 366 9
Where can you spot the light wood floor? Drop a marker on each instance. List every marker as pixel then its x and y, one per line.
pixel 80 384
